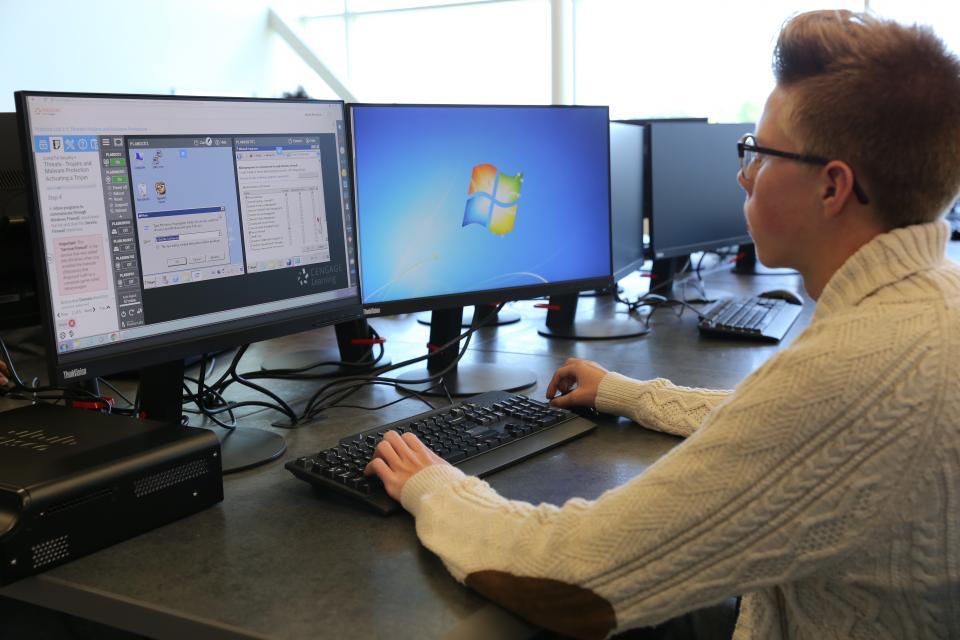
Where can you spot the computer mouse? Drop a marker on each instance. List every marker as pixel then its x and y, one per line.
pixel 783 294
pixel 585 412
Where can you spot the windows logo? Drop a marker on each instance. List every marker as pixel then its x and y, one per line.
pixel 492 199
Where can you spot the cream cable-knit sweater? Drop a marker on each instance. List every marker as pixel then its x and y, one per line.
pixel 825 488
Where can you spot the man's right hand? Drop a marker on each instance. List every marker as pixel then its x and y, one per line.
pixel 577 382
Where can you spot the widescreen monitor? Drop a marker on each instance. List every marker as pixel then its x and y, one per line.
pixel 466 205
pixel 461 205
pixel 694 202
pixel 172 226
pixel 626 197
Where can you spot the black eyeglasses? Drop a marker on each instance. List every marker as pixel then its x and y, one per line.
pixel 749 152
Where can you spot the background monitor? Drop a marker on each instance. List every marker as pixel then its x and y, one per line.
pixel 18 291
pixel 171 226
pixel 626 197
pixel 694 200
pixel 626 212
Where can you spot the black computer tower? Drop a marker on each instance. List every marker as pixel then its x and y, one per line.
pixel 74 481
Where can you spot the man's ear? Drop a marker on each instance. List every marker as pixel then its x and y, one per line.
pixel 836 187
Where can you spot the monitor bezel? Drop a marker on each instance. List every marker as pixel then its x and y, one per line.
pixel 488 296
pixel 655 253
pixel 158 349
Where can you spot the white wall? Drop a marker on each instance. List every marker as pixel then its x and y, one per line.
pixel 198 47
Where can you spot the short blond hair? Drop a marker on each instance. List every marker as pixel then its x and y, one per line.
pixel 881 96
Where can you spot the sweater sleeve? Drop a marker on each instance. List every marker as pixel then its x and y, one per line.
pixel 797 468
pixel 658 404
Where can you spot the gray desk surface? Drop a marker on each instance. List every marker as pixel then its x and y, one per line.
pixel 275 561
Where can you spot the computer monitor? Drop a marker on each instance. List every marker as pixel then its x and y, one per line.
pixel 695 202
pixel 465 205
pixel 605 321
pixel 627 196
pixel 18 291
pixel 172 226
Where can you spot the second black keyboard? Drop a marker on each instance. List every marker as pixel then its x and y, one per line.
pixel 754 318
pixel 481 435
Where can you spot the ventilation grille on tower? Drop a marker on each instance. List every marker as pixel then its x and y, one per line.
pixel 51 551
pixel 79 500
pixel 170 477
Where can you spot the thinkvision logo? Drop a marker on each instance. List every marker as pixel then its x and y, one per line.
pixel 74 373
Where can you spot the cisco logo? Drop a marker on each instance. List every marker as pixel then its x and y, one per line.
pixel 35 440
pixel 74 373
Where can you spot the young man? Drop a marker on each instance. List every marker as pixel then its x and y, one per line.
pixel 826 488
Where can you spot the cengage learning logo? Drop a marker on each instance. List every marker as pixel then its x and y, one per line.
pixel 303 277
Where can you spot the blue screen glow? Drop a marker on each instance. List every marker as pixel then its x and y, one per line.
pixel 454 200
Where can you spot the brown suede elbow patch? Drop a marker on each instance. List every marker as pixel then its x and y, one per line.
pixel 554 605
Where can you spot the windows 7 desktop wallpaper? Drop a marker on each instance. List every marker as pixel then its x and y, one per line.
pixel 465 199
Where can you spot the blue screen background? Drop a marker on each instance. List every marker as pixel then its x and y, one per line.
pixel 413 168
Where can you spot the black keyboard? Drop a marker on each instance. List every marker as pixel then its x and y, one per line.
pixel 481 435
pixel 756 318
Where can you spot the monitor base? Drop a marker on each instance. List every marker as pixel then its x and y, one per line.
pixel 504 316
pixel 357 343
pixel 240 448
pixel 748 264
pixel 760 269
pixel 243 448
pixel 599 329
pixel 469 380
pixel 562 322
pixel 301 359
pixel 600 293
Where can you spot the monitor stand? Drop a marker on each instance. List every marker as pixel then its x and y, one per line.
pixel 562 322
pixel 662 274
pixel 748 264
pixel 161 393
pixel 355 344
pixel 480 313
pixel 463 379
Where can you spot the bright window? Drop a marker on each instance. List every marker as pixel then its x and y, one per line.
pixel 487 52
pixel 642 58
pixel 695 58
pixel 944 17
